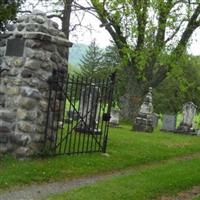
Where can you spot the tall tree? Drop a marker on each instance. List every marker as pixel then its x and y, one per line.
pixel 145 32
pixel 91 63
pixel 8 11
pixel 179 88
pixel 64 10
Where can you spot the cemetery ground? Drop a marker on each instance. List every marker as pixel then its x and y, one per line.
pixel 150 165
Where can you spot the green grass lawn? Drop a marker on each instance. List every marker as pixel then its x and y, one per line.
pixel 166 179
pixel 125 149
pixel 198 198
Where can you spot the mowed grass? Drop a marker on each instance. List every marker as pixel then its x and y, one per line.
pixel 166 179
pixel 125 149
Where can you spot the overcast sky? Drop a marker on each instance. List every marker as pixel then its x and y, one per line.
pixel 103 38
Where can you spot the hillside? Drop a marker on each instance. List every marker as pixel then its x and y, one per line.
pixel 76 53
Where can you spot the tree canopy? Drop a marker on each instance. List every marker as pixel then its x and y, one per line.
pixel 8 10
pixel 179 88
pixel 151 36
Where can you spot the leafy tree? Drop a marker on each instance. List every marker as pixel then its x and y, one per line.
pixel 178 89
pixel 112 63
pixel 8 10
pixel 91 63
pixel 145 32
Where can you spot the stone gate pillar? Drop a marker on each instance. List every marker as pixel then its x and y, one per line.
pixel 30 50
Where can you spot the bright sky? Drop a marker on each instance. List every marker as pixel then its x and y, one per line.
pixel 103 38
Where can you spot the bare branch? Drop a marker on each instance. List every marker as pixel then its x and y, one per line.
pixel 175 32
pixel 192 25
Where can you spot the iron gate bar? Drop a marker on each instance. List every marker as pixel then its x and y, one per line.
pixel 94 106
pixel 104 105
pixel 69 133
pixel 48 113
pixel 63 115
pixel 94 137
pixel 59 109
pixel 87 101
pixel 79 136
pixel 66 141
pixel 90 82
pixel 99 116
pixel 110 100
pixel 76 89
pixel 54 107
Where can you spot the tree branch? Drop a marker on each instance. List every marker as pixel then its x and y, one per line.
pixel 111 25
pixel 141 12
pixel 175 32
pixel 192 25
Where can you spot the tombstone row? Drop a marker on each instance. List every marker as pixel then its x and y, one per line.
pixel 186 125
pixel 146 120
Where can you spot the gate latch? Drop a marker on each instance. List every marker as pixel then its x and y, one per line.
pixel 106 117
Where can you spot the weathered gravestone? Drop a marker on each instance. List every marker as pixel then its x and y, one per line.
pixel 186 125
pixel 114 120
pixel 30 49
pixel 88 110
pixel 144 120
pixel 169 123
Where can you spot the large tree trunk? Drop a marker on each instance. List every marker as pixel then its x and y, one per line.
pixel 132 99
pixel 66 19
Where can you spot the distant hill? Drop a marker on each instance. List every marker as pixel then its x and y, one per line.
pixel 76 53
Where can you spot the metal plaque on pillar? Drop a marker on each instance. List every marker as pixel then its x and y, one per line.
pixel 15 47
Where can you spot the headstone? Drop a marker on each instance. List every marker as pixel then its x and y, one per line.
pixel 88 110
pixel 197 132
pixel 169 123
pixel 144 120
pixel 186 125
pixel 114 120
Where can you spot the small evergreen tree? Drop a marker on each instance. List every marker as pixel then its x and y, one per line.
pixel 91 63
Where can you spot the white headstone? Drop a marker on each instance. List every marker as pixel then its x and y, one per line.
pixel 114 120
pixel 169 123
pixel 189 111
pixel 89 106
pixel 147 106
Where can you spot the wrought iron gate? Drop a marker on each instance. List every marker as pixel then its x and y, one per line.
pixel 78 114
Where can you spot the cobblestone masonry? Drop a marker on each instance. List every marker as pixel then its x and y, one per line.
pixel 24 88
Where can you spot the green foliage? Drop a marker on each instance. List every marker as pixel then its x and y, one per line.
pixel 181 86
pixel 144 33
pixel 98 63
pixel 73 69
pixel 8 10
pixel 91 63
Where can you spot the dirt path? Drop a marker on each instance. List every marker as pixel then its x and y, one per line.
pixel 39 191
